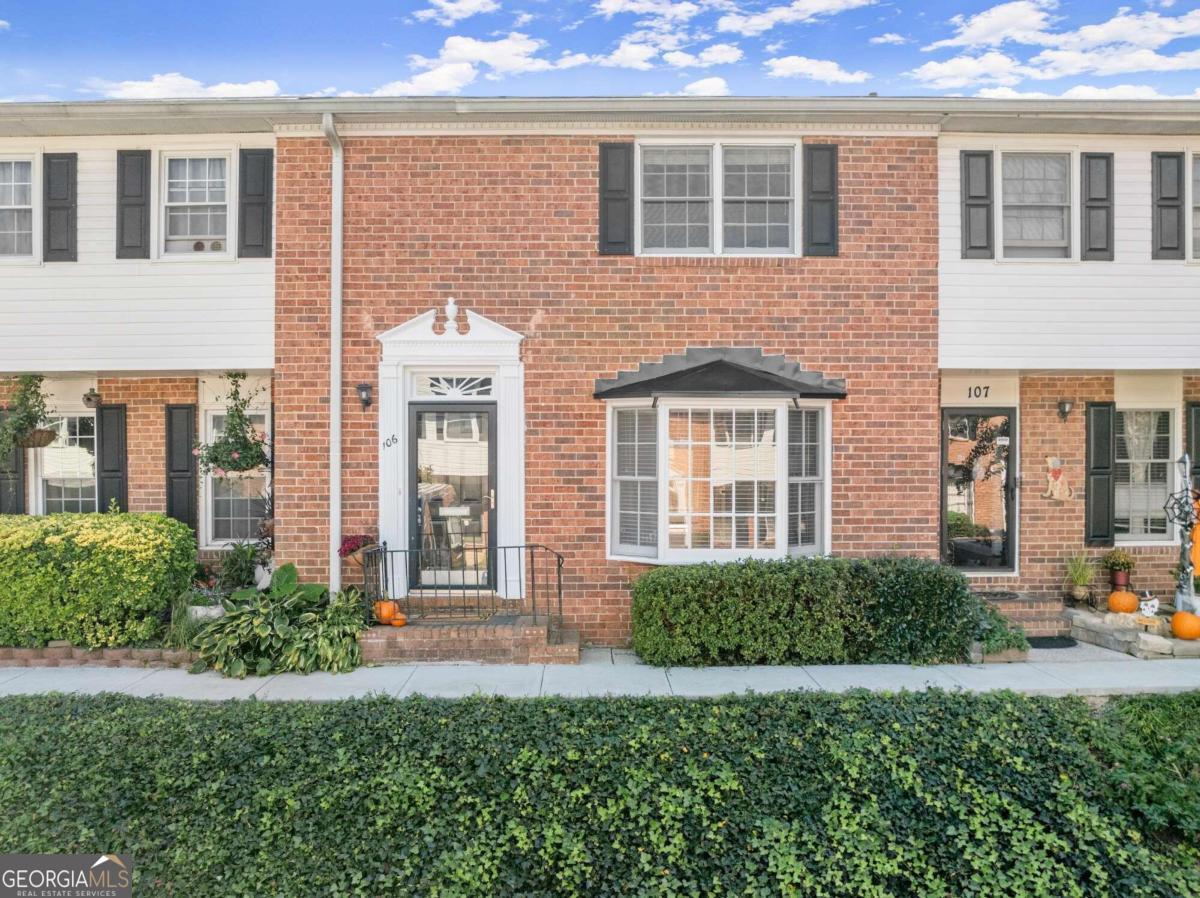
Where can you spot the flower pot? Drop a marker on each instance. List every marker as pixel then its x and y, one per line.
pixel 356 557
pixel 1080 593
pixel 385 611
pixel 1120 579
pixel 205 612
pixel 38 438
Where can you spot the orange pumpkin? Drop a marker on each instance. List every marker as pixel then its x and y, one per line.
pixel 1185 625
pixel 399 620
pixel 1122 602
pixel 385 611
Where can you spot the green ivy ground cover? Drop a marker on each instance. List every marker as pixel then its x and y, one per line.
pixel 929 795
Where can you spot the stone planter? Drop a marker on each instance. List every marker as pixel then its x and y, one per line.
pixel 1008 656
pixel 205 612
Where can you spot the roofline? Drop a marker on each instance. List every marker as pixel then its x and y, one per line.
pixel 946 113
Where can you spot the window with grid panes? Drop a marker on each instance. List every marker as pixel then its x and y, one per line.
pixel 1036 189
pixel 67 467
pixel 196 209
pixel 757 203
pixel 676 198
pixel 1144 474
pixel 805 437
pixel 238 500
pixel 16 207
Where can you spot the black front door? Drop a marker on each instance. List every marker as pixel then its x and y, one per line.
pixel 452 485
pixel 979 466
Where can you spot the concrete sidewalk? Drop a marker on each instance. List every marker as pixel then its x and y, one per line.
pixel 1083 670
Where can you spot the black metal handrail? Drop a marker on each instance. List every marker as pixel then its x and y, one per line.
pixel 437 583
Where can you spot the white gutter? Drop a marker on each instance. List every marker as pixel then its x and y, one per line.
pixel 336 212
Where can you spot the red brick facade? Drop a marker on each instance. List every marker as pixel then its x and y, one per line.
pixel 508 226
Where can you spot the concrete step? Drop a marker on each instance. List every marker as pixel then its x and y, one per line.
pixel 500 639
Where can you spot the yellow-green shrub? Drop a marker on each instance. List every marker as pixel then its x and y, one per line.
pixel 93 579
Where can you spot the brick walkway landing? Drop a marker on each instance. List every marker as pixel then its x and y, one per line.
pixel 501 639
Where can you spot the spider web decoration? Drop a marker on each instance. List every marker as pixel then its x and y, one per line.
pixel 454 387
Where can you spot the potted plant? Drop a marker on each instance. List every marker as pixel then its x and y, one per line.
pixel 1119 564
pixel 24 422
pixel 239 446
pixel 1080 575
pixel 354 546
pixel 204 604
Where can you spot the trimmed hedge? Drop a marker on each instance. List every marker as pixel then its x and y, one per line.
pixel 934 795
pixel 92 579
pixel 805 611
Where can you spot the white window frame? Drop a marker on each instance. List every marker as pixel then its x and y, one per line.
pixel 1191 159
pixel 37 496
pixel 1172 537
pixel 35 160
pixel 1074 225
pixel 208 432
pixel 717 196
pixel 664 554
pixel 159 197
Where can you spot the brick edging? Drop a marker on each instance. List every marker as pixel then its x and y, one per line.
pixel 64 655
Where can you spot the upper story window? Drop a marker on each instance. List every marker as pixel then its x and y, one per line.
pixel 196 208
pixel 747 206
pixel 1196 207
pixel 16 207
pixel 1036 190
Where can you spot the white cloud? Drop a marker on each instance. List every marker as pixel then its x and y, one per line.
pixel 522 19
pixel 662 10
pixel 1022 21
pixel 5 25
pixel 173 85
pixel 630 55
pixel 795 13
pixel 1085 92
pixel 1116 60
pixel 774 47
pixel 449 78
pixel 447 12
pixel 992 67
pixel 707 87
pixel 890 37
pixel 511 55
pixel 814 69
pixel 715 54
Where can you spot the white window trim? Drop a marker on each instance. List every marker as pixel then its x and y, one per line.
pixel 666 555
pixel 37 499
pixel 207 413
pixel 35 158
pixel 1190 158
pixel 1073 217
pixel 1171 406
pixel 716 197
pixel 158 196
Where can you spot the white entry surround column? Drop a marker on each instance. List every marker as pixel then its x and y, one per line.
pixel 422 349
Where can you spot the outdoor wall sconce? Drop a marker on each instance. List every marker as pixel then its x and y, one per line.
pixel 364 395
pixel 1064 408
pixel 91 399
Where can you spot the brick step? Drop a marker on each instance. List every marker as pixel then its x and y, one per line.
pixel 501 639
pixel 1037 616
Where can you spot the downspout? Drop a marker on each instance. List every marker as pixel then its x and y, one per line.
pixel 336 211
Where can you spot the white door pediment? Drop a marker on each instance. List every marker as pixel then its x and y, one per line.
pixel 419 340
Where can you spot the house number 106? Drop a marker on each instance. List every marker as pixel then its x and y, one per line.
pixel 977 392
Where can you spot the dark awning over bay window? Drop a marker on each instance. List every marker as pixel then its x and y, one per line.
pixel 721 371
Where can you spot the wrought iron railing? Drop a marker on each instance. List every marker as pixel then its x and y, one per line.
pixel 439 583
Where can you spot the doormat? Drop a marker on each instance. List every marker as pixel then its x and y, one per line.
pixel 1052 642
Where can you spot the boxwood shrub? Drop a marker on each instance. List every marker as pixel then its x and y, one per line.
pixel 933 795
pixel 93 579
pixel 805 611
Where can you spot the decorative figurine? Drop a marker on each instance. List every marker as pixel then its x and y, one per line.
pixel 1149 606
pixel 1181 511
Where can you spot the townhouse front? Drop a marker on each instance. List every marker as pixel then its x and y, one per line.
pixel 636 332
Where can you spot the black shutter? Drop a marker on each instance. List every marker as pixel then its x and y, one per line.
pixel 616 199
pixel 12 480
pixel 181 464
pixel 1167 226
pixel 255 202
pixel 1101 481
pixel 112 458
pixel 59 201
pixel 1193 441
pixel 820 199
pixel 133 204
pixel 1096 175
pixel 977 217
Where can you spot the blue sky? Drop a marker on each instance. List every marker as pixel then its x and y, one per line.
pixel 75 50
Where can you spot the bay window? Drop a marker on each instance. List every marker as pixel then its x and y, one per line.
pixel 696 479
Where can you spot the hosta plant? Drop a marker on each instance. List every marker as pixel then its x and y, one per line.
pixel 291 626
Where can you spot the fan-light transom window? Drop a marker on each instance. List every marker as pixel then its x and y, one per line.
pixel 452 387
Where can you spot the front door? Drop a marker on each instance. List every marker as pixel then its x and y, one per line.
pixel 452 485
pixel 979 465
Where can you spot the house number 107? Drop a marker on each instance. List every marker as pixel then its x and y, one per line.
pixel 977 392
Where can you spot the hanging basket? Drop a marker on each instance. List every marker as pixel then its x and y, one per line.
pixel 38 438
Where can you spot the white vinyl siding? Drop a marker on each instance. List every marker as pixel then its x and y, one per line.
pixel 179 312
pixel 1132 313
pixel 16 207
